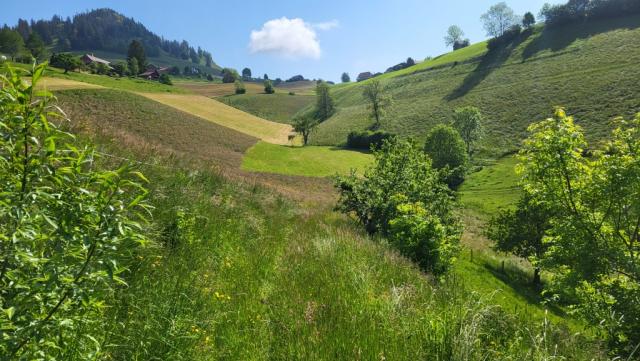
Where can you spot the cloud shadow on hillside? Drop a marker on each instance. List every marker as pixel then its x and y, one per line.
pixel 556 39
pixel 493 59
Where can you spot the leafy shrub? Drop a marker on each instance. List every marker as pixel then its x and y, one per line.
pixel 421 237
pixel 582 10
pixel 402 175
pixel 508 37
pixel 268 87
pixel 448 153
pixel 64 61
pixel 240 88
pixel 595 203
pixel 367 139
pixel 459 44
pixel 165 79
pixel 68 231
pixel 292 93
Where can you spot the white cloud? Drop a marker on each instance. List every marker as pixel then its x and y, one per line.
pixel 327 25
pixel 291 38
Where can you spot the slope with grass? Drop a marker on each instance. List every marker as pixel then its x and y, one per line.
pixel 226 116
pixel 492 188
pixel 278 107
pixel 214 89
pixel 313 161
pixel 587 68
pixel 238 272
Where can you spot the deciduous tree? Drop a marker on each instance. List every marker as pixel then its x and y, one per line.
pixel 454 35
pixel 378 101
pixel 468 122
pixel 498 19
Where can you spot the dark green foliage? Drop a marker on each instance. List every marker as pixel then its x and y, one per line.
pixel 367 139
pixel 324 102
pixel 35 45
pixel 520 231
pixel 265 77
pixel 304 125
pixel 165 79
pixel 105 30
pixel 268 87
pixel 229 75
pixel 11 43
pixel 295 78
pixel 528 20
pixel 401 196
pixel 461 44
pixel 509 36
pixel 445 147
pixel 69 232
pixel 136 52
pixel 120 68
pixel 246 73
pixel 345 78
pixel 585 10
pixel 240 88
pixel 133 66
pixel 65 61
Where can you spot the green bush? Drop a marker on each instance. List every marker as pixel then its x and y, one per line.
pixel 421 237
pixel 240 88
pixel 448 153
pixel 402 175
pixel 367 139
pixel 268 87
pixel 68 232
pixel 165 79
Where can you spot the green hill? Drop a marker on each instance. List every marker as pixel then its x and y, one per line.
pixel 587 68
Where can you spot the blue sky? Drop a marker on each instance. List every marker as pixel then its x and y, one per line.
pixel 330 37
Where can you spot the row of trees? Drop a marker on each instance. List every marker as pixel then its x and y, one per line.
pixel 584 10
pixel 579 218
pixel 106 30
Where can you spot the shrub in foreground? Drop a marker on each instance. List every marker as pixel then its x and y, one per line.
pixel 67 230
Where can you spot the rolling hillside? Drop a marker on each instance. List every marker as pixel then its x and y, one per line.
pixel 587 68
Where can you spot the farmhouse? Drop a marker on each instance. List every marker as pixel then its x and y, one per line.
pixel 153 72
pixel 91 59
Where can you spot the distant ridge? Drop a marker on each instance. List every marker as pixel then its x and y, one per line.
pixel 107 31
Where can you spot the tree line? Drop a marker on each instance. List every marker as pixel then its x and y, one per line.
pixel 100 29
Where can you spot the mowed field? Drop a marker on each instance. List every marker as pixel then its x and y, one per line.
pixel 278 107
pixel 314 161
pixel 211 89
pixel 587 68
pixel 225 115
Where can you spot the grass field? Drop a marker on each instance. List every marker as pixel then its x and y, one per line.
pixel 311 161
pixel 493 188
pixel 305 87
pixel 211 89
pixel 278 107
pixel 129 84
pixel 226 116
pixel 585 67
pixel 53 84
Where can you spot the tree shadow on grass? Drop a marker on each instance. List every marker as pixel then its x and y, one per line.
pixel 520 282
pixel 493 59
pixel 558 38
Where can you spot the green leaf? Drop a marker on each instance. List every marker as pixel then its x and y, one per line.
pixel 10 312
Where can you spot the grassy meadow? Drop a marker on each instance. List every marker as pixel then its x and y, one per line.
pixel 492 188
pixel 312 161
pixel 279 107
pixel 584 67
